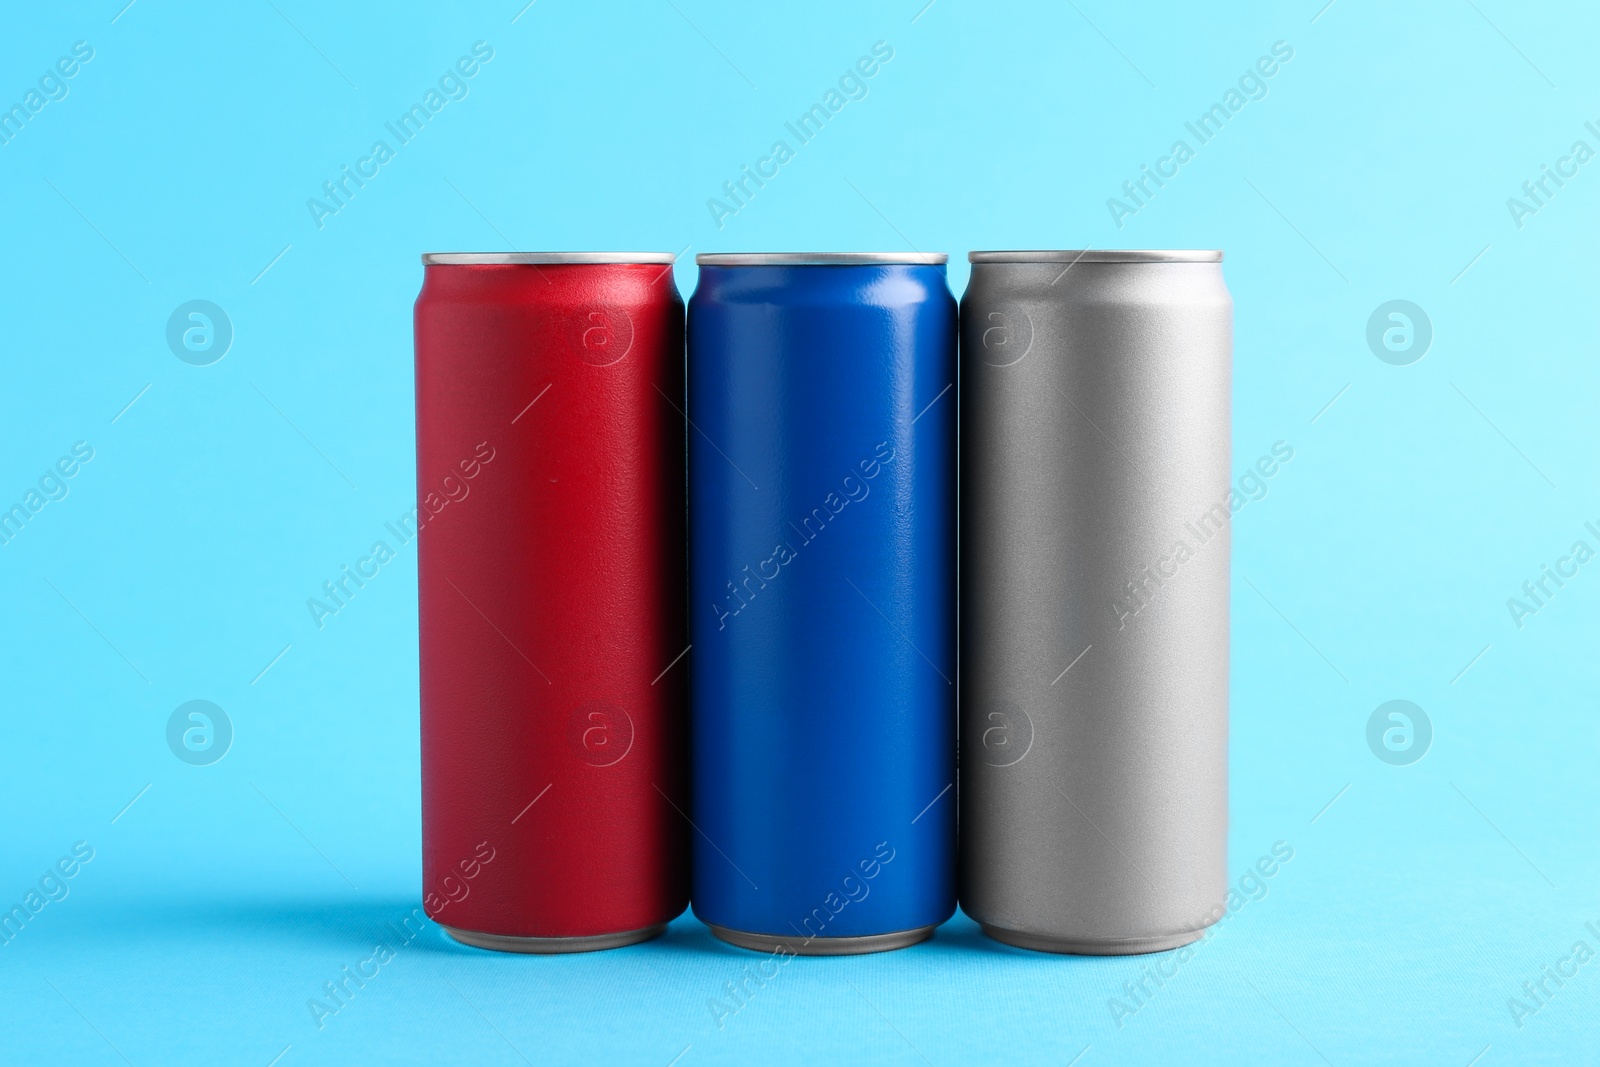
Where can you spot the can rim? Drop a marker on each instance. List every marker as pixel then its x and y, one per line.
pixel 543 259
pixel 820 259
pixel 1100 255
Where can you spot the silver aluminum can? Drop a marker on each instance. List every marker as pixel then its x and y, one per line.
pixel 1095 507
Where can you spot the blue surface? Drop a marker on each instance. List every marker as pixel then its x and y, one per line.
pixel 822 599
pixel 1377 566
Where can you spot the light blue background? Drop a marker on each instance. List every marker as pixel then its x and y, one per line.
pixel 1378 567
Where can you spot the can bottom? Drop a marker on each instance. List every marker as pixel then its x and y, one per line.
pixel 822 946
pixel 1109 946
pixel 548 945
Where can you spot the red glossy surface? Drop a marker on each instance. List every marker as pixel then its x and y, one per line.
pixel 550 466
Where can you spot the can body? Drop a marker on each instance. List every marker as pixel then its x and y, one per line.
pixel 550 482
pixel 1095 406
pixel 822 599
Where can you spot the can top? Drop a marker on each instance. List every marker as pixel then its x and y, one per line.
pixel 540 259
pixel 1100 255
pixel 821 259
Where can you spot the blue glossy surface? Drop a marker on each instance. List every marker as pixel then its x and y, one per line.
pixel 822 597
pixel 1375 566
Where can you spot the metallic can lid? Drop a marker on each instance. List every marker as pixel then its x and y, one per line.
pixel 541 259
pixel 1099 255
pixel 821 259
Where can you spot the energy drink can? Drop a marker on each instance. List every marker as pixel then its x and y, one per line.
pixel 822 599
pixel 1094 595
pixel 550 487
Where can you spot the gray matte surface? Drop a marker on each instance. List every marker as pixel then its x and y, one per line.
pixel 1095 408
pixel 554 945
pixel 819 259
pixel 823 946
pixel 543 259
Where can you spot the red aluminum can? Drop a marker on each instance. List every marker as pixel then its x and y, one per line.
pixel 551 616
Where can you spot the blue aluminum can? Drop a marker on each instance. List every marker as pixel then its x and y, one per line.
pixel 822 599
